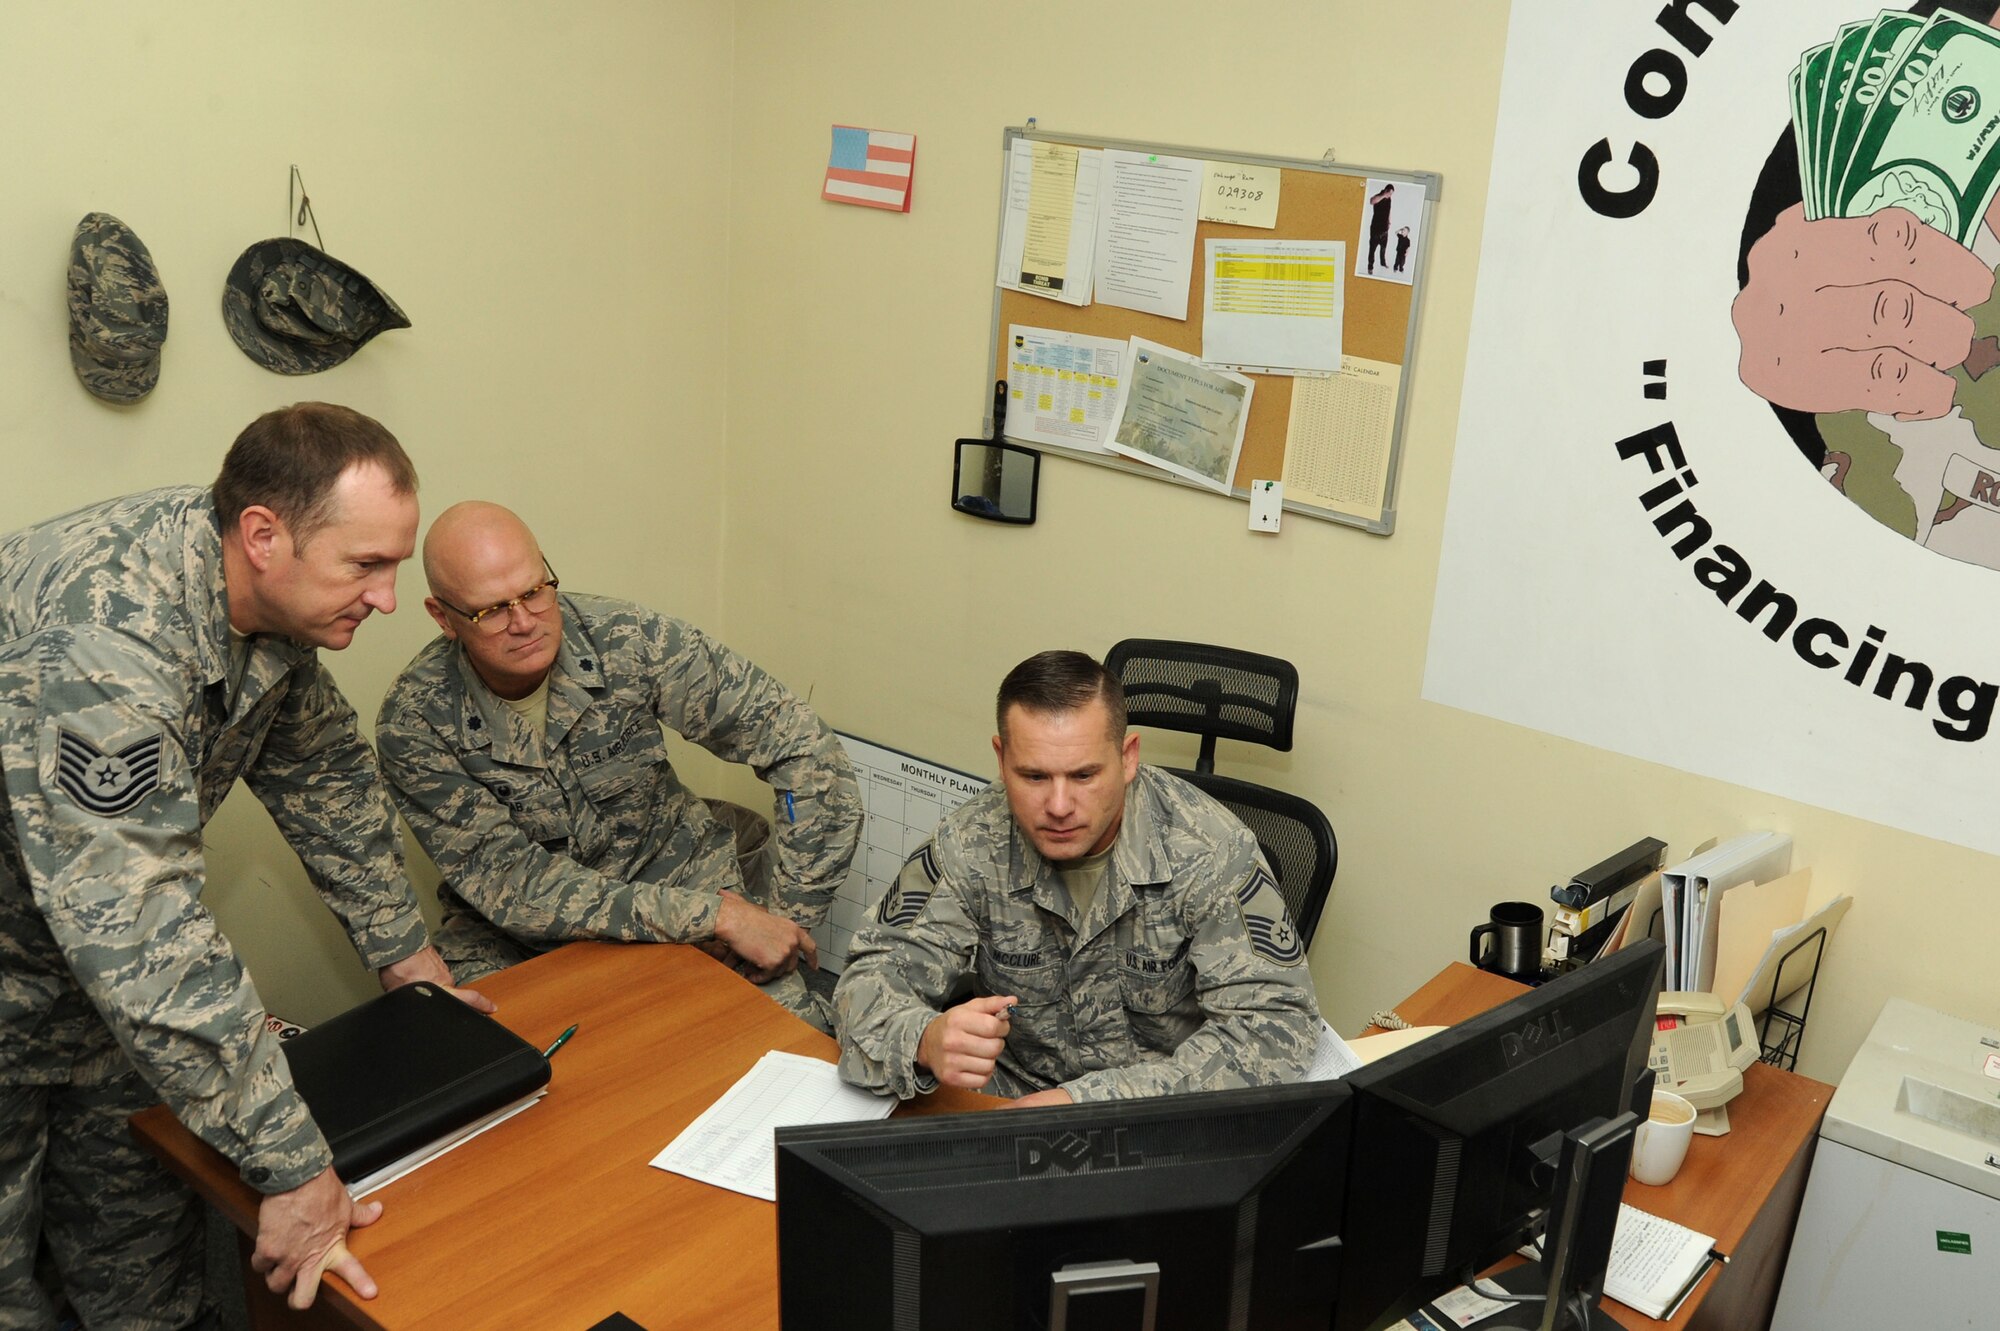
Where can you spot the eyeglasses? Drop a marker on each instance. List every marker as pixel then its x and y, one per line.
pixel 495 618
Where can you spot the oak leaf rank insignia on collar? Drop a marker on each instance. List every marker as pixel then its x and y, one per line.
pixel 107 784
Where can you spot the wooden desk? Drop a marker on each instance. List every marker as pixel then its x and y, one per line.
pixel 554 1219
pixel 1743 1188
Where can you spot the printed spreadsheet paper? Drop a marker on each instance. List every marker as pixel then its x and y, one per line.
pixel 902 799
pixel 1273 306
pixel 731 1144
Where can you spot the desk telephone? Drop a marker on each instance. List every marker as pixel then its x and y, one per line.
pixel 1700 1049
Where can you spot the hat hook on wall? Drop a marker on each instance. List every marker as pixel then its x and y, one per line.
pixel 299 208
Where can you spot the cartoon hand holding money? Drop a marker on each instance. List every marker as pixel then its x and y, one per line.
pixel 1856 297
pixel 1859 313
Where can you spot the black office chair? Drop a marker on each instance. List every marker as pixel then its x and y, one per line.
pixel 1296 838
pixel 1221 692
pixel 1213 692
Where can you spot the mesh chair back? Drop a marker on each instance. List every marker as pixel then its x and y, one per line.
pixel 1295 836
pixel 1208 691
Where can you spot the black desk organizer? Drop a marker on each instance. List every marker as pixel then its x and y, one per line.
pixel 1783 1051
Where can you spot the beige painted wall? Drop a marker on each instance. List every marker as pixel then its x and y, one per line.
pixel 636 321
pixel 543 188
pixel 859 343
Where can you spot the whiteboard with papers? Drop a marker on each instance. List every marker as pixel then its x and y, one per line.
pixel 902 798
pixel 1303 275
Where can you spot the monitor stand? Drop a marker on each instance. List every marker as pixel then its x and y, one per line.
pixel 1104 1296
pixel 1576 1243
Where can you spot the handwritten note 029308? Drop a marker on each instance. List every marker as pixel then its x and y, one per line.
pixel 1240 194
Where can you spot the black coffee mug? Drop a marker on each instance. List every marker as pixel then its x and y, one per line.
pixel 1516 927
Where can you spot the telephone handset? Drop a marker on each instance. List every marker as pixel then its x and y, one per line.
pixel 1700 1049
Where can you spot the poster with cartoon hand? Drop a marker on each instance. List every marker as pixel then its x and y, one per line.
pixel 1726 492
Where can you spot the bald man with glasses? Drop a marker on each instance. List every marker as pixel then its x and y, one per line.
pixel 524 746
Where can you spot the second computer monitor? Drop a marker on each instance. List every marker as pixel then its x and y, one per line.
pixel 1456 1138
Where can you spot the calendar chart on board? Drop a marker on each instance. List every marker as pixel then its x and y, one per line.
pixel 902 799
pixel 1341 437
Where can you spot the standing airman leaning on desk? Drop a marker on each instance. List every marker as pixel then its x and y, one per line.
pixel 1121 932
pixel 152 650
pixel 524 748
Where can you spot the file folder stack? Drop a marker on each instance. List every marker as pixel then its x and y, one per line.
pixel 1691 900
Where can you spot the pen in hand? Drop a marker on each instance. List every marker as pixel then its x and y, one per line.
pixel 561 1040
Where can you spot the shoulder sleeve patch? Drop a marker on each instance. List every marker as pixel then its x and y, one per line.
pixel 107 784
pixel 1275 939
pixel 1264 917
pixel 926 860
pixel 901 906
pixel 1255 883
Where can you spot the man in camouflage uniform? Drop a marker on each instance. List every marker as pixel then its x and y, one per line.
pixel 524 748
pixel 1118 928
pixel 152 650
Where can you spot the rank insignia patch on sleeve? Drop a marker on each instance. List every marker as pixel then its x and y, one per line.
pixel 107 784
pixel 1275 939
pixel 1255 883
pixel 928 858
pixel 900 908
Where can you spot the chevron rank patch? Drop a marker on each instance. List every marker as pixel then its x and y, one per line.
pixel 1275 939
pixel 107 784
pixel 1271 936
pixel 900 908
pixel 1256 883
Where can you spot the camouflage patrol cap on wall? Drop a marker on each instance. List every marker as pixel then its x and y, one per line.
pixel 297 310
pixel 117 310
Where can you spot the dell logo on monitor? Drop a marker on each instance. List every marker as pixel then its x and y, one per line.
pixel 1075 1153
pixel 1535 1039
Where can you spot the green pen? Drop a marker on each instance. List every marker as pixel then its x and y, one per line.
pixel 561 1040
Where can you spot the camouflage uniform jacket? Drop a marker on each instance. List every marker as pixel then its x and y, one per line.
pixel 586 831
pixel 1184 974
pixel 121 737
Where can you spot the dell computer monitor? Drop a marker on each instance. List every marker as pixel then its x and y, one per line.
pixel 1200 1212
pixel 1457 1138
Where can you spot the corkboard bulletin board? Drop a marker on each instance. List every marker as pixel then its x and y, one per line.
pixel 1317 201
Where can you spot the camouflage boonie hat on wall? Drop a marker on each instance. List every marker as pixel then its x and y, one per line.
pixel 117 310
pixel 297 310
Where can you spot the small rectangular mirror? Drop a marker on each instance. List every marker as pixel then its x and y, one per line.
pixel 995 480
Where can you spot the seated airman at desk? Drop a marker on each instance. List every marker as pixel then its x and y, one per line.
pixel 524 748
pixel 1119 928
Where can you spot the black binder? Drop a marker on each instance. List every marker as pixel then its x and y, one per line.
pixel 400 1071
